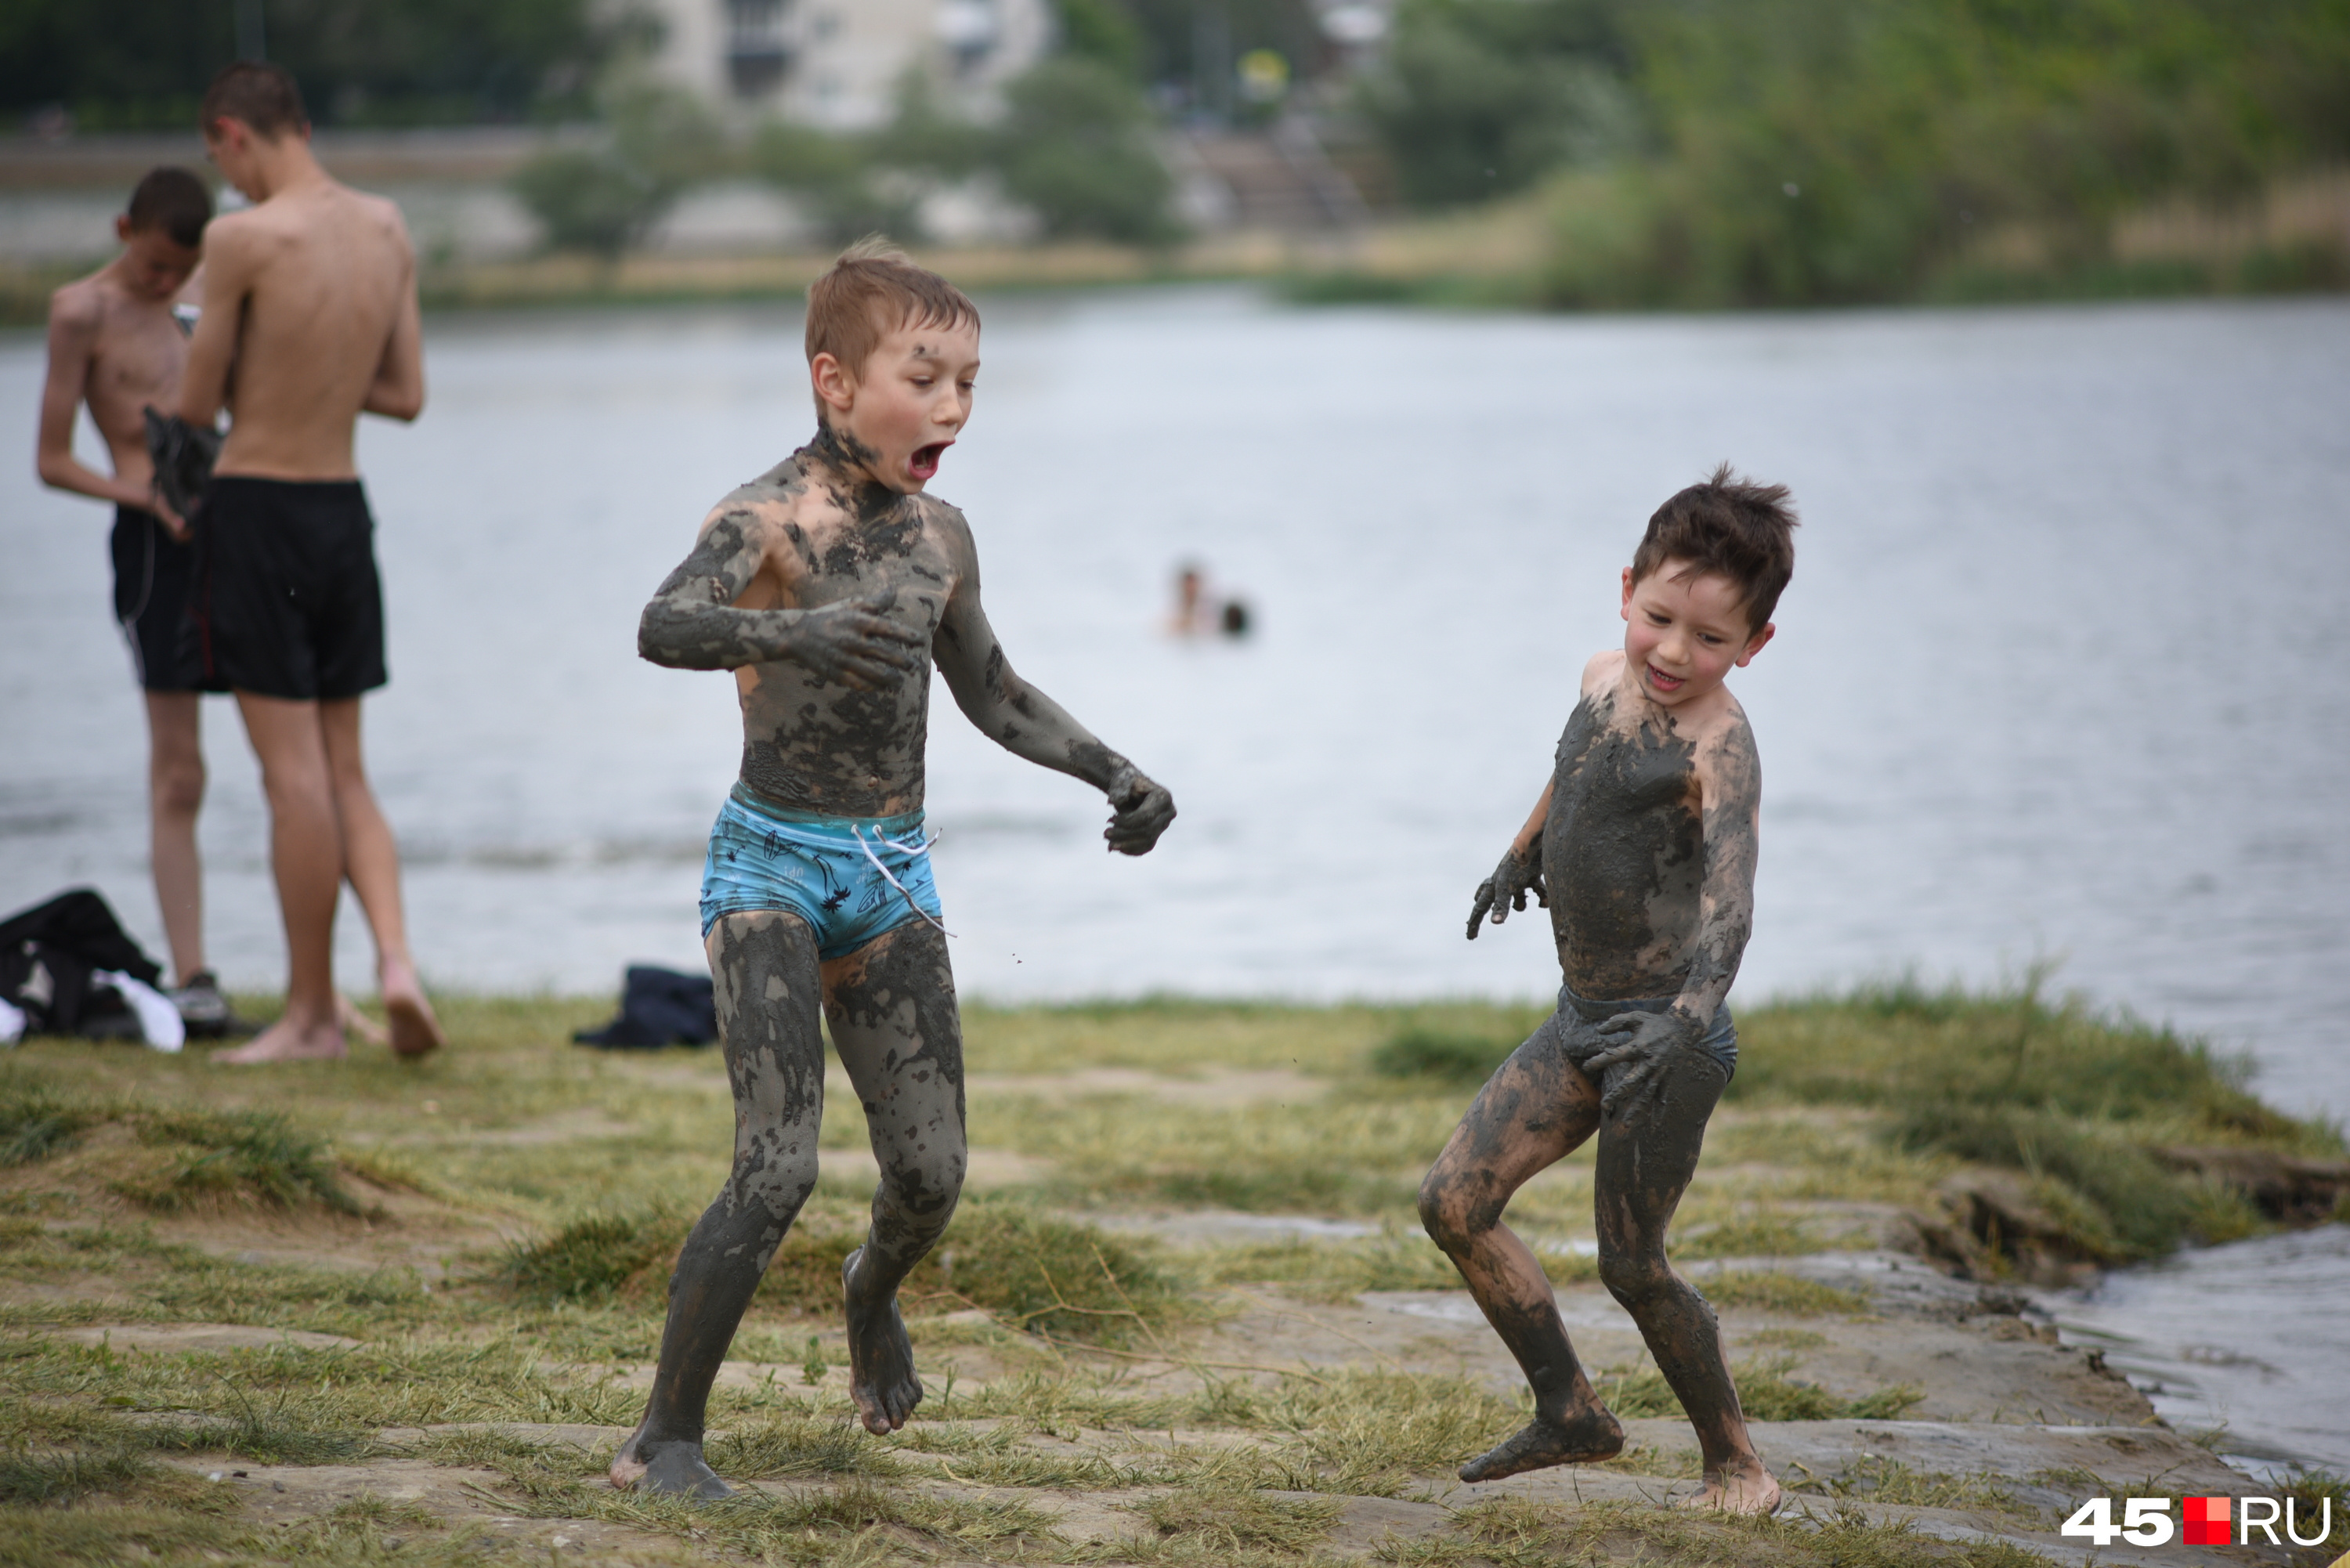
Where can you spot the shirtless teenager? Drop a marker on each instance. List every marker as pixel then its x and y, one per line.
pixel 114 345
pixel 1643 849
pixel 829 584
pixel 309 319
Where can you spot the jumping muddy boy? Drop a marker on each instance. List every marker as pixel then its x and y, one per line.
pixel 1647 847
pixel 822 584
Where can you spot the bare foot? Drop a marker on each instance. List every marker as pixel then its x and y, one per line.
pixel 1582 1439
pixel 880 1358
pixel 1745 1491
pixel 354 1022
pixel 672 1469
pixel 287 1041
pixel 414 1031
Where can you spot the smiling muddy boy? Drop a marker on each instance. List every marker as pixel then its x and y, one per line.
pixel 1642 846
pixel 828 584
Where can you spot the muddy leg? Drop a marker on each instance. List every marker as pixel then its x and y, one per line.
pixel 1646 1159
pixel 766 967
pixel 891 1005
pixel 1527 1117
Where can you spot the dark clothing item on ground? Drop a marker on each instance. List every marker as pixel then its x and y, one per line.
pixel 46 954
pixel 658 1007
pixel 154 582
pixel 289 603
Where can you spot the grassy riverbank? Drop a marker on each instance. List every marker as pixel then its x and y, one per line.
pixel 379 1285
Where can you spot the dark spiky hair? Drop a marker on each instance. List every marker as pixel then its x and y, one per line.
pixel 1731 527
pixel 174 201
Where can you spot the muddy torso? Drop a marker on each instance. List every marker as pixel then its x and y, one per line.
pixel 1623 851
pixel 816 745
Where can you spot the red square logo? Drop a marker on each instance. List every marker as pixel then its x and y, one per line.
pixel 2207 1522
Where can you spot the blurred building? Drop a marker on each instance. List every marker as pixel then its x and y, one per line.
pixel 837 64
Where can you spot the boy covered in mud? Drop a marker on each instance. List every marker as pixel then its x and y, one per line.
pixel 829 584
pixel 1642 846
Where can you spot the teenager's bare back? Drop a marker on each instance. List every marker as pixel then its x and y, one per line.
pixel 315 288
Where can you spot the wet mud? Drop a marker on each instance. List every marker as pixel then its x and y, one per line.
pixel 828 595
pixel 892 1007
pixel 1647 865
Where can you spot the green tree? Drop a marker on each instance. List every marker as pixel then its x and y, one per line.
pixel 604 200
pixel 1477 99
pixel 1103 31
pixel 1075 146
pixel 837 180
pixel 144 63
pixel 1849 149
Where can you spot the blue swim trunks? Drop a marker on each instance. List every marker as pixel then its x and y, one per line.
pixel 850 879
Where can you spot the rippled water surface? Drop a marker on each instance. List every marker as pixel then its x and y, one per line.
pixel 2061 674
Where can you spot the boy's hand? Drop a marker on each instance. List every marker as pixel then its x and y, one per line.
pixel 855 643
pixel 164 513
pixel 1649 1042
pixel 1143 811
pixel 1519 873
pixel 183 456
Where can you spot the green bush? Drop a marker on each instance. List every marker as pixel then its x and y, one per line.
pixel 835 179
pixel 1075 146
pixel 604 200
pixel 142 64
pixel 1477 99
pixel 1742 152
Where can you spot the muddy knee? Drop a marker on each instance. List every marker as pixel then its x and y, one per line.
pixel 1454 1210
pixel 1638 1280
pixel 916 1201
pixel 777 1184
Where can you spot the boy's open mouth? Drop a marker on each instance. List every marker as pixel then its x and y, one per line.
pixel 1664 682
pixel 924 464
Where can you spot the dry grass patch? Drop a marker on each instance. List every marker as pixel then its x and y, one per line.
pixel 1516 1532
pixel 1227 1523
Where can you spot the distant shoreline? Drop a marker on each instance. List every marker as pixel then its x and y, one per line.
pixel 1496 257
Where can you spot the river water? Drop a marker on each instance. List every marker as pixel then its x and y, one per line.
pixel 2062 675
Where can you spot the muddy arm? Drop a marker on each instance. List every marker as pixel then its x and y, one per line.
pixel 692 623
pixel 1519 873
pixel 1732 781
pixel 1028 723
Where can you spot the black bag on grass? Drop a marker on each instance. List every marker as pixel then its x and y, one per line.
pixel 658 1007
pixel 46 954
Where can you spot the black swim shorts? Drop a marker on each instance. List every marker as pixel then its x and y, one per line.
pixel 289 604
pixel 154 578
